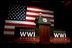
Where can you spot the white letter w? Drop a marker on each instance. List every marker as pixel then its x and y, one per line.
pixel 23 34
pixel 56 35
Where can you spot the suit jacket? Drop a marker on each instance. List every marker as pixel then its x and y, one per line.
pixel 36 20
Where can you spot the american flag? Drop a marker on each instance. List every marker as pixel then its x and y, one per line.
pixel 24 16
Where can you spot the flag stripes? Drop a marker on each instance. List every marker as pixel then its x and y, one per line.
pixel 29 18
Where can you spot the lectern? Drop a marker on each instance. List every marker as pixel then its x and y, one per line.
pixel 44 27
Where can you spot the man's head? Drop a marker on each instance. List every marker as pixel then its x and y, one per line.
pixel 40 14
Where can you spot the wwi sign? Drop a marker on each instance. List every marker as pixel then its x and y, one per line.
pixel 59 37
pixel 59 34
pixel 28 35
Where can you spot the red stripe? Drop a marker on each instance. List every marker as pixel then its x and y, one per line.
pixel 49 17
pixel 11 30
pixel 20 25
pixel 37 7
pixel 38 16
pixel 30 20
pixel 39 12
pixel 34 7
pixel 32 15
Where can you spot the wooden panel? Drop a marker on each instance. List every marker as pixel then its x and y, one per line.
pixel 44 34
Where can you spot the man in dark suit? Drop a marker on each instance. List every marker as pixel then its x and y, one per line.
pixel 36 20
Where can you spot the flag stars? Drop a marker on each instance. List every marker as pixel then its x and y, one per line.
pixel 11 18
pixel 17 12
pixel 21 19
pixel 14 18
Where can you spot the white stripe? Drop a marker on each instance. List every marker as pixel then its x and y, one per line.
pixel 30 18
pixel 20 22
pixel 41 10
pixel 7 32
pixel 51 20
pixel 9 27
pixel 46 15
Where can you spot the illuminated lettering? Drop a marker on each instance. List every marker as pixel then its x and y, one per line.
pixel 23 34
pixel 56 35
pixel 63 35
pixel 59 34
pixel 29 34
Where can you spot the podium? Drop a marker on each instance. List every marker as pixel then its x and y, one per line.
pixel 44 28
